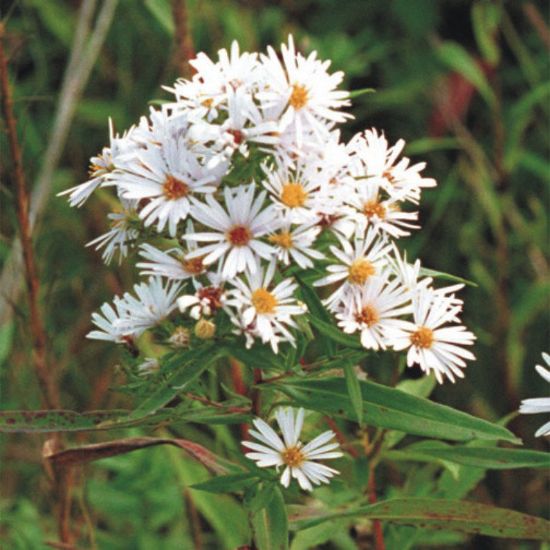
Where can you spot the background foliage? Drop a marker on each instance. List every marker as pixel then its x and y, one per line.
pixel 466 84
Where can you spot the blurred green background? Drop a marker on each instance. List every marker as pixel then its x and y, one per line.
pixel 466 84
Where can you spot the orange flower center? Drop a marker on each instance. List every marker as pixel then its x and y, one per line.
pixel 360 270
pixel 374 208
pixel 239 235
pixel 283 239
pixel 293 194
pixel 193 265
pixel 298 97
pixel 207 102
pixel 293 456
pixel 368 315
pixel 174 188
pixel 263 301
pixel 423 338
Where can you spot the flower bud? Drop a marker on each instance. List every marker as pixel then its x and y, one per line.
pixel 179 338
pixel 205 329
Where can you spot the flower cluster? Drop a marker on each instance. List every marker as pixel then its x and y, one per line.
pixel 239 184
pixel 242 176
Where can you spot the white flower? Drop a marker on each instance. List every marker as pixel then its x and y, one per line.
pixel 268 310
pixel 295 193
pixel 166 176
pixel 152 304
pixel 374 309
pixel 298 460
pixel 207 91
pixel 236 232
pixel 109 322
pixel 121 235
pixel 245 123
pixel 102 166
pixel 172 263
pixel 539 404
pixel 432 343
pixel 296 244
pixel 357 264
pixel 367 208
pixel 301 91
pixel 374 158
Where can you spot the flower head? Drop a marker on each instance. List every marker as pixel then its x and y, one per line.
pixel 298 460
pixel 539 404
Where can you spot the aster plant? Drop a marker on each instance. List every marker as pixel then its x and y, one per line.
pixel 275 287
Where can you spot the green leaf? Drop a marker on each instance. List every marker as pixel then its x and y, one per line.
pixel 479 457
pixel 334 333
pixel 354 391
pixel 317 311
pixel 445 276
pixel 448 515
pixel 485 20
pixel 261 497
pixel 161 11
pixel 391 408
pixel 356 93
pixel 54 421
pixel 459 60
pixel 189 367
pixel 270 525
pixel 226 484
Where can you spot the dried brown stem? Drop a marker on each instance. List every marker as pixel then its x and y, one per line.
pixel 184 42
pixel 49 390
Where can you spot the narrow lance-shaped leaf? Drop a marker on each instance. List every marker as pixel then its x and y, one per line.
pixel 448 515
pixel 354 391
pixel 391 408
pixel 270 524
pixel 480 457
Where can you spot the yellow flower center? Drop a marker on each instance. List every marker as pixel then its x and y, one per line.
pixel 423 338
pixel 368 315
pixel 374 208
pixel 193 265
pixel 298 97
pixel 282 239
pixel 239 235
pixel 360 270
pixel 207 102
pixel 263 301
pixel 174 188
pixel 293 194
pixel 293 456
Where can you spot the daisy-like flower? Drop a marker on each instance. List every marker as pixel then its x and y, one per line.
pixel 246 124
pixel 302 91
pixel 102 166
pixel 236 232
pixel 374 158
pixel 172 263
pixel 434 340
pixel 539 404
pixel 296 244
pixel 122 234
pixel 166 176
pixel 108 322
pixel 369 209
pixel 298 461
pixel 152 304
pixel 373 310
pixel 358 263
pixel 269 310
pixel 295 193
